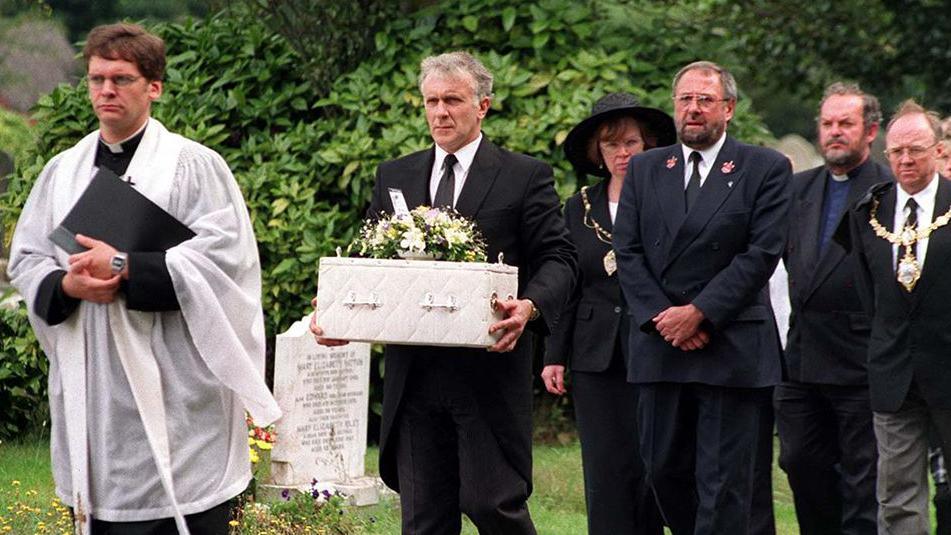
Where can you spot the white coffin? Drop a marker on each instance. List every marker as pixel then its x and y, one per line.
pixel 416 302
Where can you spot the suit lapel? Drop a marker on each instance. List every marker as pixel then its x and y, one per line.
pixel 864 179
pixel 485 168
pixel 723 178
pixel 598 197
pixel 881 249
pixel 939 243
pixel 415 184
pixel 810 209
pixel 669 187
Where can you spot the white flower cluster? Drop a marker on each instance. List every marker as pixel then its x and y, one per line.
pixel 424 232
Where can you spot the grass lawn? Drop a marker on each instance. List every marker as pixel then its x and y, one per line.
pixel 28 505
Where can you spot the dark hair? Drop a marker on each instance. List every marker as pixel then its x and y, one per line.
pixel 611 129
pixel 129 42
pixel 871 111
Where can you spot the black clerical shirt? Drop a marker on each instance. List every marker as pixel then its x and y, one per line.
pixel 149 287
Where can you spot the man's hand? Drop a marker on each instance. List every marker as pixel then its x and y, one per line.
pixel 697 341
pixel 554 377
pixel 80 284
pixel 516 313
pixel 679 324
pixel 97 261
pixel 319 333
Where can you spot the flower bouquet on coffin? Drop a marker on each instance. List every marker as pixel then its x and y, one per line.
pixel 424 280
pixel 423 234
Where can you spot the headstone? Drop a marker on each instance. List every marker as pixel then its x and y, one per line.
pixel 800 152
pixel 324 395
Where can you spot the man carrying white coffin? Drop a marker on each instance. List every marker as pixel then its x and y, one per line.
pixel 154 356
pixel 457 423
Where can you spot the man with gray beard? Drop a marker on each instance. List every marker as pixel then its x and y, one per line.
pixel 823 415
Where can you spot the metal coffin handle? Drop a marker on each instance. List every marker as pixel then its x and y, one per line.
pixel 429 302
pixel 353 300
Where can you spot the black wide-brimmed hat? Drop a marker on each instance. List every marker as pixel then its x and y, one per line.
pixel 655 121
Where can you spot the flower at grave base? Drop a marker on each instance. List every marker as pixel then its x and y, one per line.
pixel 254 457
pixel 286 495
pixel 264 445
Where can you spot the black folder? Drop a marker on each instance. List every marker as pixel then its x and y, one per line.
pixel 112 211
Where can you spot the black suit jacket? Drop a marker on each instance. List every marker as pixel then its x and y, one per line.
pixel 586 334
pixel 718 257
pixel 513 201
pixel 828 327
pixel 910 336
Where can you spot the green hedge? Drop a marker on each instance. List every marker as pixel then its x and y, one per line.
pixel 306 164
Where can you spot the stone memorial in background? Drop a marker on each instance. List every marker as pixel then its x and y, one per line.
pixel 801 153
pixel 324 395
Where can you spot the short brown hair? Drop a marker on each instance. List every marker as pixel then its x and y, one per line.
pixel 871 110
pixel 910 107
pixel 129 42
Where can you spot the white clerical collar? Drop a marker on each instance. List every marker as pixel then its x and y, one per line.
pixel 464 155
pixel 709 154
pixel 838 178
pixel 925 198
pixel 116 148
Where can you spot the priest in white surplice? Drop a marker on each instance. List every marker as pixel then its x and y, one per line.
pixel 154 356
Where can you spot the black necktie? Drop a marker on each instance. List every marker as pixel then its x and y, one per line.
pixel 910 221
pixel 693 185
pixel 447 184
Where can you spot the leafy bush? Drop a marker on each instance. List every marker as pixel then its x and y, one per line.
pixel 306 165
pixel 23 369
pixel 16 137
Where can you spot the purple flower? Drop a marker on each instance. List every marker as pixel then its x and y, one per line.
pixel 286 495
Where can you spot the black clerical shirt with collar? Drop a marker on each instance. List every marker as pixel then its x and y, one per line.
pixel 116 157
pixel 149 287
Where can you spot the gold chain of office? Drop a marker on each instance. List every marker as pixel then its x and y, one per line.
pixel 908 271
pixel 908 236
pixel 610 259
pixel 602 234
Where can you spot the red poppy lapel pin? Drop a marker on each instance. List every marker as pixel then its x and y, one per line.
pixel 671 162
pixel 727 167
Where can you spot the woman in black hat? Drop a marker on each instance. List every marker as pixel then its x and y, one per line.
pixel 591 336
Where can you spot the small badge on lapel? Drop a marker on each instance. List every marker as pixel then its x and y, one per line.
pixel 727 168
pixel 671 162
pixel 729 184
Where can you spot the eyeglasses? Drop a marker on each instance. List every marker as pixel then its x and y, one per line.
pixel 613 146
pixel 704 102
pixel 122 80
pixel 914 151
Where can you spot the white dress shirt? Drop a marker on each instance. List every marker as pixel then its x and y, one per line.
pixel 925 199
pixel 707 155
pixel 464 157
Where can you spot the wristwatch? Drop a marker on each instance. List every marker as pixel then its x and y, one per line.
pixel 535 312
pixel 118 263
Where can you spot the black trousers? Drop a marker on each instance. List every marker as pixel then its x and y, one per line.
pixel 211 522
pixel 701 445
pixel 450 462
pixel 618 497
pixel 827 448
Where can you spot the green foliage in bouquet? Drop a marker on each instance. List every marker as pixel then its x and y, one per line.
pixel 425 232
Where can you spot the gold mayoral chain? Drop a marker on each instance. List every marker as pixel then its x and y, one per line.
pixel 610 260
pixel 909 269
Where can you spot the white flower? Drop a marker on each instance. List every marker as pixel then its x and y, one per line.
pixel 455 236
pixel 413 240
